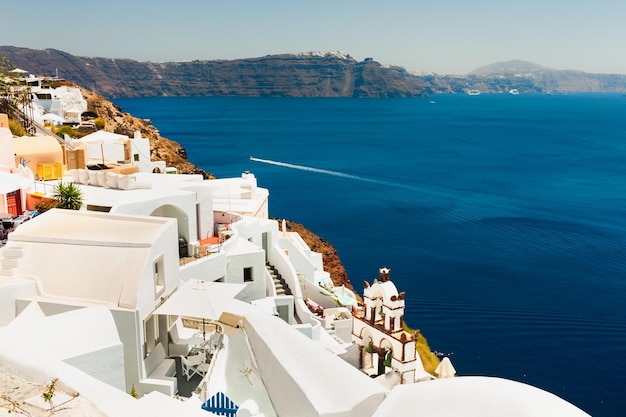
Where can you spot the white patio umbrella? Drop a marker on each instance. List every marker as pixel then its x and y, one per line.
pixel 104 139
pixel 11 182
pixel 51 117
pixel 445 369
pixel 201 299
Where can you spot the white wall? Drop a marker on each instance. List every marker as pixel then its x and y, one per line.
pixel 204 207
pixel 210 268
pixel 166 246
pixel 286 395
pixel 305 379
pixel 130 330
pixel 279 259
pixel 245 249
pixel 12 289
pixel 300 262
pixel 184 201
pixel 255 289
pixel 106 365
pixel 141 147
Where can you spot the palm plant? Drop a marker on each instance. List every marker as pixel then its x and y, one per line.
pixel 68 195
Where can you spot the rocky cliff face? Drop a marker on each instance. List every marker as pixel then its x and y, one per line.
pixel 527 77
pixel 302 75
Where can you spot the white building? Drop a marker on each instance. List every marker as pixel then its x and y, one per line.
pixel 67 260
pixel 114 148
pixel 378 331
pixel 65 102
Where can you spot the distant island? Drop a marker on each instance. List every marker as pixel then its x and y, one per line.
pixel 312 74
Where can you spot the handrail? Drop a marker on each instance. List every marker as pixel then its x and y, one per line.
pixel 29 122
pixel 10 107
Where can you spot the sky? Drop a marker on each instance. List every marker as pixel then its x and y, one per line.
pixel 441 36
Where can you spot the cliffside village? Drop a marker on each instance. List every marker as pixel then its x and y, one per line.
pixel 168 294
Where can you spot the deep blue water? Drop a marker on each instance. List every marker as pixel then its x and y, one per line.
pixel 502 217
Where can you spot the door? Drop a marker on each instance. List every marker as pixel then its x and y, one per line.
pixel 14 203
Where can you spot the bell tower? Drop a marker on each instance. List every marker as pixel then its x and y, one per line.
pixel 378 328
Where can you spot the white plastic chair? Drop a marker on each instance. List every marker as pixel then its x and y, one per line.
pixel 215 342
pixel 194 365
pixel 182 339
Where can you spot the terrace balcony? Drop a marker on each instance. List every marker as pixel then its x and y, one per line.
pixel 210 245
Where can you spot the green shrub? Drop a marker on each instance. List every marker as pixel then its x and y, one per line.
pixel 16 128
pixel 69 196
pixel 45 205
pixel 429 359
pixel 67 130
pixel 64 130
pixel 99 122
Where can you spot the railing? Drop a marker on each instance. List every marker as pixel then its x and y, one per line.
pixel 203 252
pixel 8 106
pixel 203 388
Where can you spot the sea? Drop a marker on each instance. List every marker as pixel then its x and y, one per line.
pixel 502 217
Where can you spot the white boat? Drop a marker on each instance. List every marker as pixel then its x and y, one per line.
pixel 473 92
pixel 514 91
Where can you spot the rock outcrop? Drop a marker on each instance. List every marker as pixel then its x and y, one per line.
pixel 161 149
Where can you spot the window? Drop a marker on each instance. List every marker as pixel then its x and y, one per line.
pixel 159 277
pixel 247 274
pixel 136 157
pixel 151 334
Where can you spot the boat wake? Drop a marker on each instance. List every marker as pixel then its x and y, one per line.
pixel 311 169
pixel 412 187
pixel 431 189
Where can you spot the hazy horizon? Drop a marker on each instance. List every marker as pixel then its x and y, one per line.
pixel 451 37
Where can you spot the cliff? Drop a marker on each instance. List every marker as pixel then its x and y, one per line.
pixel 527 77
pixel 329 74
pixel 315 74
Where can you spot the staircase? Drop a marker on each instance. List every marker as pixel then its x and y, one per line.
pixel 10 259
pixel 279 283
pixel 10 106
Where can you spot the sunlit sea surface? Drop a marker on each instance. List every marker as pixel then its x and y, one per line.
pixel 502 217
